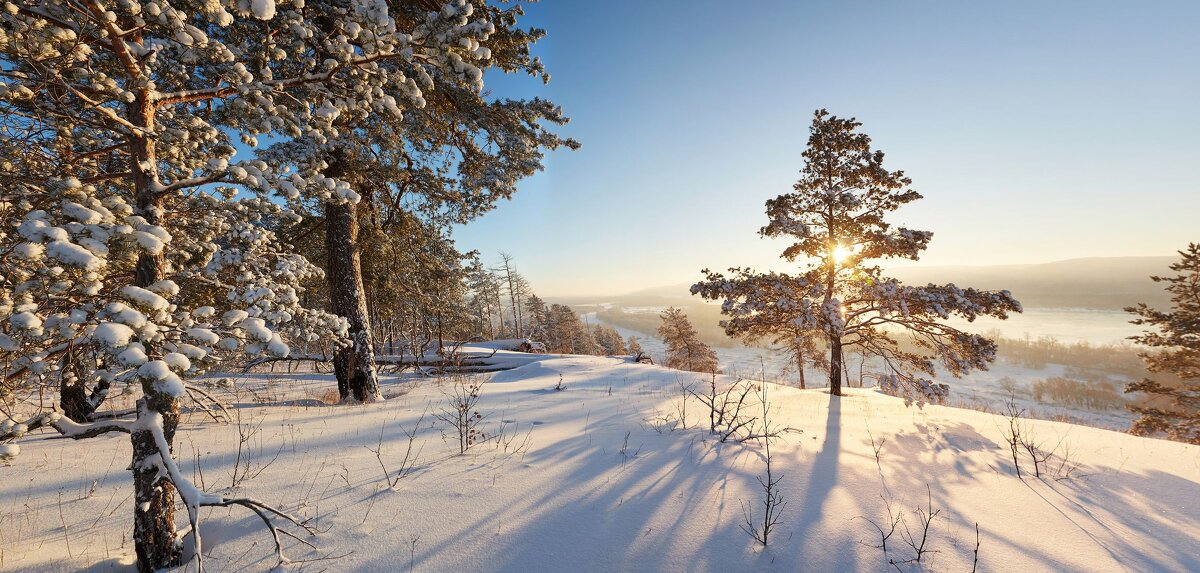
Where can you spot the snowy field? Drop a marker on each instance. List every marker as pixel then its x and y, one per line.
pixel 603 476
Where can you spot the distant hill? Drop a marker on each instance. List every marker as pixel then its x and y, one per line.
pixel 1098 283
pixel 1106 283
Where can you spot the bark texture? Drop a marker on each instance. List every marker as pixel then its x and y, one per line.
pixel 354 365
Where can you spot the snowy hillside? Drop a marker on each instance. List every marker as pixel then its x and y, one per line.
pixel 602 476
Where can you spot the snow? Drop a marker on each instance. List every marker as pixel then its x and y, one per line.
pixel 203 335
pixel 73 255
pixel 232 317
pixel 277 347
pixel 603 484
pixel 257 328
pixel 263 9
pixel 112 335
pixel 204 311
pixel 25 321
pixel 154 370
pixel 165 381
pixel 177 361
pixel 144 298
pixel 171 385
pixel 133 356
pixel 80 213
pixel 150 242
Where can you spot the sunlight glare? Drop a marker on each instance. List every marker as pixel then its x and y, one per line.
pixel 841 253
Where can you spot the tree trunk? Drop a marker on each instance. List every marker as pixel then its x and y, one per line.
pixel 72 390
pixel 154 536
pixel 800 367
pixel 835 366
pixel 155 542
pixel 72 399
pixel 354 365
pixel 499 314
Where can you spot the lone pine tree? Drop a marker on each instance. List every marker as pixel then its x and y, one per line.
pixel 836 219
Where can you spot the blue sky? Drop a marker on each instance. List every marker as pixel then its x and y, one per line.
pixel 1037 131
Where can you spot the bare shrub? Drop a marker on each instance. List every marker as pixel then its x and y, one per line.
pixel 461 414
pixel 249 461
pixel 408 462
pixel 662 423
pixel 1012 435
pixel 625 453
pixel 975 560
pixel 725 409
pixel 1022 439
pixel 773 500
pixel 888 528
pixel 925 516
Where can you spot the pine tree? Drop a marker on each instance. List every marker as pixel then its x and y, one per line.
pixel 610 342
pixel 126 114
pixel 536 317
pixel 685 350
pixel 415 279
pixel 836 218
pixel 1175 350
pixel 635 347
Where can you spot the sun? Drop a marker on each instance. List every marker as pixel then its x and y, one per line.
pixel 841 253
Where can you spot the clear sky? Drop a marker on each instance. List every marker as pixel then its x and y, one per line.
pixel 1036 131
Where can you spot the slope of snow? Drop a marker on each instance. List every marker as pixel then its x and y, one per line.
pixel 591 478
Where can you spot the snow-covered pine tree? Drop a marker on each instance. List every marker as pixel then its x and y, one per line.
pixel 685 350
pixel 1174 349
pixel 485 296
pixel 764 314
pixel 419 133
pixel 836 216
pixel 128 111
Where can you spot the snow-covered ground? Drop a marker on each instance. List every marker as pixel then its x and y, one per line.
pixel 596 478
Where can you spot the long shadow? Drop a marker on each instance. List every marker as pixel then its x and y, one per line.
pixel 824 475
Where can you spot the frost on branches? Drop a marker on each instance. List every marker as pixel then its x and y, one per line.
pixel 1174 349
pixel 835 218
